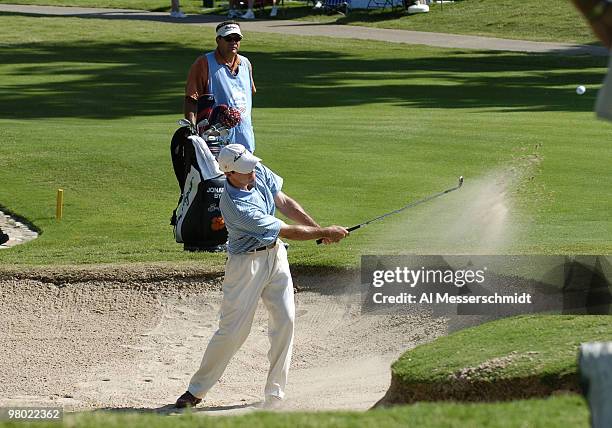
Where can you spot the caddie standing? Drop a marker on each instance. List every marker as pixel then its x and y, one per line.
pixel 223 77
pixel 257 266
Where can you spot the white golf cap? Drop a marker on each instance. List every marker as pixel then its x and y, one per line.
pixel 227 29
pixel 234 157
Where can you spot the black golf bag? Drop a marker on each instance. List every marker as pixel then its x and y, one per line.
pixel 197 220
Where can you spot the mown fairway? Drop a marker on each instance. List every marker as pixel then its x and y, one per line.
pixel 355 128
pixel 530 20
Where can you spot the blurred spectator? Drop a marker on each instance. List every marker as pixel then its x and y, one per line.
pixel 176 10
pixel 249 14
pixel 233 9
pixel 274 10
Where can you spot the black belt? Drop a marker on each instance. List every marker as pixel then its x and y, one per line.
pixel 265 247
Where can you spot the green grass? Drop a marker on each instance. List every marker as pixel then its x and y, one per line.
pixel 356 128
pixel 552 340
pixel 567 411
pixel 542 20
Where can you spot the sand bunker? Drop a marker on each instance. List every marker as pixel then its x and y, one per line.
pixel 134 345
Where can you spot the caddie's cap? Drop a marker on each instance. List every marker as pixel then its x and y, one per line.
pixel 226 29
pixel 235 157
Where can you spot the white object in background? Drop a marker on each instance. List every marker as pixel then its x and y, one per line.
pixel 580 90
pixel 418 8
pixel 603 106
pixel 595 363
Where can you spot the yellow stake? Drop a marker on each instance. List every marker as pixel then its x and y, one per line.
pixel 59 209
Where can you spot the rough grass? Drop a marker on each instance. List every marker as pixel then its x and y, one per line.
pixel 507 359
pixel 567 411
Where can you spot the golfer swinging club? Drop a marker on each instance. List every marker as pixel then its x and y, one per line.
pixel 256 267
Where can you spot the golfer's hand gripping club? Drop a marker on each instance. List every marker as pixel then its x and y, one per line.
pixel 336 233
pixel 327 240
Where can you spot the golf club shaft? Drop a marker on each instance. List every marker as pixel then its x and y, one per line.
pixel 410 205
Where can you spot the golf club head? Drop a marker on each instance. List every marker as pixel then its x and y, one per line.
pixel 184 123
pixel 211 131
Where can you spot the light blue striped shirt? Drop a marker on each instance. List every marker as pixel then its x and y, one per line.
pixel 249 214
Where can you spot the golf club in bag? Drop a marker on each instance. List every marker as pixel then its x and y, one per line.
pixel 197 220
pixel 410 205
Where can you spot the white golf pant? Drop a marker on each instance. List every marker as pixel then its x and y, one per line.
pixel 247 277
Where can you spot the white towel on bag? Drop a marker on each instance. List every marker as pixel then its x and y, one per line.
pixel 206 161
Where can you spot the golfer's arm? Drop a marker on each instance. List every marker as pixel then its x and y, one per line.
pixel 293 211
pixel 298 232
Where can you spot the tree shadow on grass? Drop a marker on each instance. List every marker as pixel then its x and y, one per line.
pixel 106 80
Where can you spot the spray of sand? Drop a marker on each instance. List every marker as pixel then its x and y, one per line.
pixel 480 218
